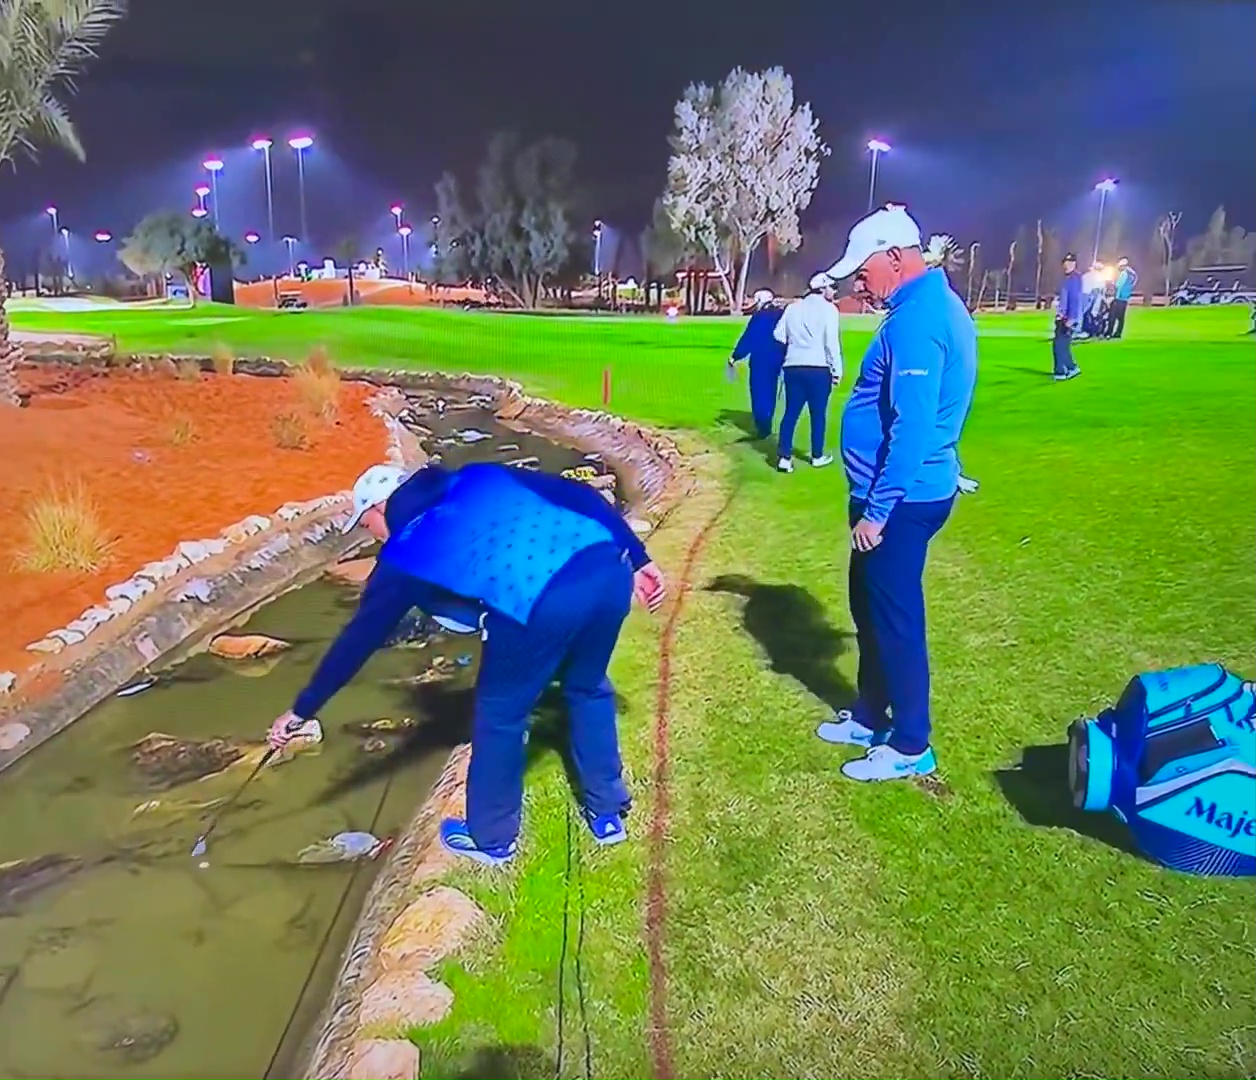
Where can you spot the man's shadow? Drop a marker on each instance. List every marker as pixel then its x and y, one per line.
pixel 1038 790
pixel 742 421
pixel 445 716
pixel 792 628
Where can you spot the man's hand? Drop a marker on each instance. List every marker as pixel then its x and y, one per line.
pixel 290 727
pixel 650 587
pixel 866 534
pixel 730 372
pixel 967 485
pixel 836 377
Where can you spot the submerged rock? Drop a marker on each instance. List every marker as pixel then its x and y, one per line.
pixel 24 878
pixel 352 572
pixel 385 725
pixel 164 761
pixel 129 1035
pixel 343 847
pixel 246 646
pixel 384 1059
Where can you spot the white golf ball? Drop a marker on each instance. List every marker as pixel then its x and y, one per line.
pixel 204 865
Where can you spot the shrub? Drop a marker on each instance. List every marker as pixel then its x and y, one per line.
pixel 289 431
pixel 188 370
pixel 223 358
pixel 64 532
pixel 318 384
pixel 182 430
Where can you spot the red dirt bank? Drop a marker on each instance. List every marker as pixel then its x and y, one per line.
pixel 112 431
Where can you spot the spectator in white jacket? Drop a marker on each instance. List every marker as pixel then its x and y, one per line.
pixel 813 366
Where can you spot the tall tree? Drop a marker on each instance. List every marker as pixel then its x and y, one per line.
pixel 44 44
pixel 1163 248
pixel 943 251
pixel 745 161
pixel 168 242
pixel 521 228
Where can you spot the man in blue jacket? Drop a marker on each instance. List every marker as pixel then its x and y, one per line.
pixel 1122 292
pixel 766 355
pixel 546 571
pixel 1068 321
pixel 900 433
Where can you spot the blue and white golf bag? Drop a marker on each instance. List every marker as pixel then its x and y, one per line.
pixel 1175 760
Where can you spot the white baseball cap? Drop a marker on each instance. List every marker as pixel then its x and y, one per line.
pixel 819 281
pixel 762 296
pixel 372 488
pixel 889 227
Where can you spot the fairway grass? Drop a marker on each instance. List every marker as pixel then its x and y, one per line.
pixel 816 927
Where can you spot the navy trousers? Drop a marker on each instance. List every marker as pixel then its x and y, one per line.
pixel 569 637
pixel 1062 348
pixel 887 603
pixel 765 381
pixel 810 387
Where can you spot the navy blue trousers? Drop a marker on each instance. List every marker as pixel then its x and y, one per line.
pixel 809 387
pixel 765 381
pixel 569 637
pixel 887 603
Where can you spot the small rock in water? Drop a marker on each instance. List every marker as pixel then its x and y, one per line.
pixel 352 571
pixel 343 847
pixel 464 660
pixel 471 435
pixel 508 448
pixel 203 865
pixel 136 688
pixel 246 646
pixel 524 463
pixel 130 1036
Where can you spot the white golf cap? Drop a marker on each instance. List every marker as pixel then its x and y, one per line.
pixel 889 227
pixel 762 296
pixel 819 281
pixel 372 488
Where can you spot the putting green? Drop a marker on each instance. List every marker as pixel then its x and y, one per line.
pixel 818 928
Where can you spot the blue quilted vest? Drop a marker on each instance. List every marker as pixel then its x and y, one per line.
pixel 493 540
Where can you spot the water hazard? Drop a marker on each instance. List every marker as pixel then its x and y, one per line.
pixel 120 954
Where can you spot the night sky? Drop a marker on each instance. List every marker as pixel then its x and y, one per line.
pixel 995 119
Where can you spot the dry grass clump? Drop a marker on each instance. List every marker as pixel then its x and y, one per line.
pixel 188 370
pixel 318 384
pixel 182 430
pixel 290 431
pixel 223 359
pixel 64 531
pixel 165 368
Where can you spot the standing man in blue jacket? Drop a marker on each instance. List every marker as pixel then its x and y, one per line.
pixel 1122 292
pixel 765 355
pixel 1068 321
pixel 900 433
pixel 546 571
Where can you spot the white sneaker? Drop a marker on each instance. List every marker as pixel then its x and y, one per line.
pixel 785 465
pixel 886 763
pixel 845 730
pixel 821 461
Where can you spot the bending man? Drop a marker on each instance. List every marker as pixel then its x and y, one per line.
pixel 547 571
pixel 765 355
pixel 810 332
pixel 900 433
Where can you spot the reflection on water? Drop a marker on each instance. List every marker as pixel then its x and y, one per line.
pixel 120 954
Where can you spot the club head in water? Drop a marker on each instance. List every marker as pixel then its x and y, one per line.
pixel 199 848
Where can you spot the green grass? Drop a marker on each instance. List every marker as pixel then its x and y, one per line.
pixel 821 928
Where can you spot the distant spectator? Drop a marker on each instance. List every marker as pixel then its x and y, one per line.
pixel 1068 319
pixel 813 366
pixel 1092 300
pixel 1126 280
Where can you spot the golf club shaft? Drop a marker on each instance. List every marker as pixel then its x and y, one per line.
pixel 270 753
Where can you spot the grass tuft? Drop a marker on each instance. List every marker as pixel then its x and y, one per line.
pixel 290 431
pixel 64 532
pixel 182 430
pixel 188 370
pixel 223 359
pixel 318 385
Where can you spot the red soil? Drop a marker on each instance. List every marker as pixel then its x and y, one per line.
pixel 319 293
pixel 111 432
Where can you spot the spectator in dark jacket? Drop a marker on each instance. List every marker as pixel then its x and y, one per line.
pixel 765 355
pixel 1068 320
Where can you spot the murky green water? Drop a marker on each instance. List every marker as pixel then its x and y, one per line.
pixel 127 957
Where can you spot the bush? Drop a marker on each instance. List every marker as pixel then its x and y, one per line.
pixel 224 360
pixel 289 431
pixel 64 532
pixel 318 384
pixel 182 430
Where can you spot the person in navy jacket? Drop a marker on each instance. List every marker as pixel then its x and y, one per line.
pixel 766 355
pixel 545 570
pixel 1068 321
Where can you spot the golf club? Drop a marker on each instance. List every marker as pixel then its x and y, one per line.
pixel 202 841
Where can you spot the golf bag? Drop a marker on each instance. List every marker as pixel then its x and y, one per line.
pixel 1175 760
